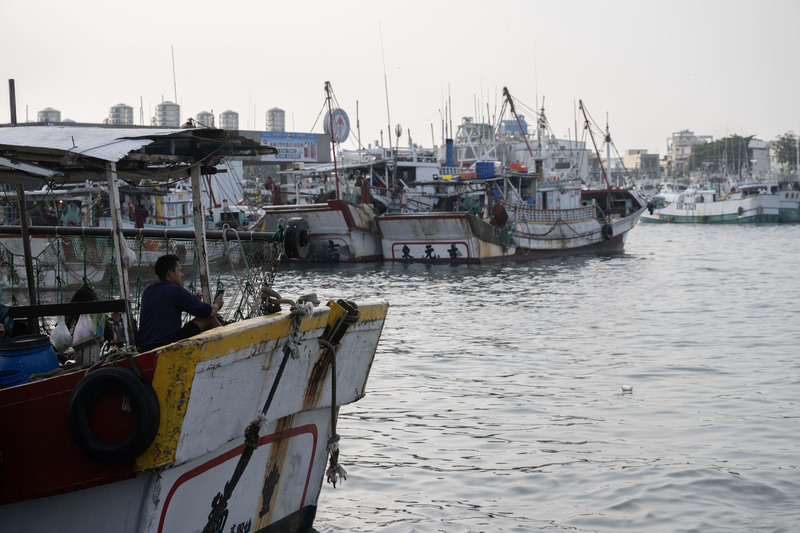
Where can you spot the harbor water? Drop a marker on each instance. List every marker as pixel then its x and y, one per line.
pixel 499 401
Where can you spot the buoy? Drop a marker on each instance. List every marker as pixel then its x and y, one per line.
pixel 627 388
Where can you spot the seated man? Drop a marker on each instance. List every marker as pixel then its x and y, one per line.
pixel 163 303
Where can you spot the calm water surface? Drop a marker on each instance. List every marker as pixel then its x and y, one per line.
pixel 495 402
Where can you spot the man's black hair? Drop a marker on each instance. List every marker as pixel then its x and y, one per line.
pixel 165 263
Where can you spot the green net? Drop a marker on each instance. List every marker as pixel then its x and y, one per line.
pixel 63 264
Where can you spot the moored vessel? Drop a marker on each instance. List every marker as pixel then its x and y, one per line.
pixel 230 429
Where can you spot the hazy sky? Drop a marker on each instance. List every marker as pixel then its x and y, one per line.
pixel 718 67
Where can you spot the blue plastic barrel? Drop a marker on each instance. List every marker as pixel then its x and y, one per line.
pixel 9 378
pixel 31 354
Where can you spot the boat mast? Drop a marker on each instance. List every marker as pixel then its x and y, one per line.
pixel 596 151
pixel 608 148
pixel 333 137
pixel 519 123
pixel 543 144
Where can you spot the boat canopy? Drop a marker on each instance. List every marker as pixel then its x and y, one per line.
pixel 79 153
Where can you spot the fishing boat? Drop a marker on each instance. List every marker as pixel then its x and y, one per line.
pixel 551 213
pixel 704 203
pixel 789 209
pixel 454 229
pixel 493 210
pixel 341 226
pixel 234 429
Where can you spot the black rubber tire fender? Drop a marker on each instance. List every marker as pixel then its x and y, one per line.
pixel 144 404
pixel 296 238
pixel 607 231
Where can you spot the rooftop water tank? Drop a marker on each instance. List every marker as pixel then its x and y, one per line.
pixel 168 115
pixel 204 118
pixel 276 119
pixel 229 120
pixel 120 114
pixel 48 114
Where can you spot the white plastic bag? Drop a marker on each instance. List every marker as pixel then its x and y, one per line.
pixel 128 256
pixel 83 330
pixel 60 337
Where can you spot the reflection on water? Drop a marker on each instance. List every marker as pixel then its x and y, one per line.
pixel 495 402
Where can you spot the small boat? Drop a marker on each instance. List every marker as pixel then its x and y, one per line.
pixel 233 429
pixel 744 204
pixel 455 230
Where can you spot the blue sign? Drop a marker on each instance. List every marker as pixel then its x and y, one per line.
pixel 290 146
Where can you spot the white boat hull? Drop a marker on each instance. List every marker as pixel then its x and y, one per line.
pixel 340 231
pixel 210 388
pixel 751 209
pixel 442 237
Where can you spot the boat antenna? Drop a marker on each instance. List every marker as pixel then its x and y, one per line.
pixel 450 110
pixel 386 90
pixel 358 127
pixel 174 79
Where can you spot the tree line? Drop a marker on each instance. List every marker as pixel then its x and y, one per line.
pixel 732 155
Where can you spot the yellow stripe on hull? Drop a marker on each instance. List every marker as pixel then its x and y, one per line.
pixel 177 365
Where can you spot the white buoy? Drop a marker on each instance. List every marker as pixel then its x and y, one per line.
pixel 627 388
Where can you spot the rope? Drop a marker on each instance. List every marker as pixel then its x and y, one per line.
pixel 300 309
pixel 335 471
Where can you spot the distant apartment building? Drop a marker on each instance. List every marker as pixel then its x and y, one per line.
pixel 760 153
pixel 680 148
pixel 645 165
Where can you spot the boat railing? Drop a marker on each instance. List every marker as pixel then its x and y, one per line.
pixel 526 214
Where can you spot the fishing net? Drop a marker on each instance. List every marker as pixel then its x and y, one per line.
pixel 63 264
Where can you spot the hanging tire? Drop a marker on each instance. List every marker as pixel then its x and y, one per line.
pixel 144 405
pixel 296 238
pixel 607 231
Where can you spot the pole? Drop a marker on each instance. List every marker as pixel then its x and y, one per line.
pixel 12 98
pixel 333 139
pixel 117 240
pixel 200 233
pixel 33 325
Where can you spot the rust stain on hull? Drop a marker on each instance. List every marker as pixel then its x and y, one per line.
pixel 277 457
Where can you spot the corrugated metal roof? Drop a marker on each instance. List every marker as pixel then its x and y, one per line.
pixel 77 153
pixel 107 144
